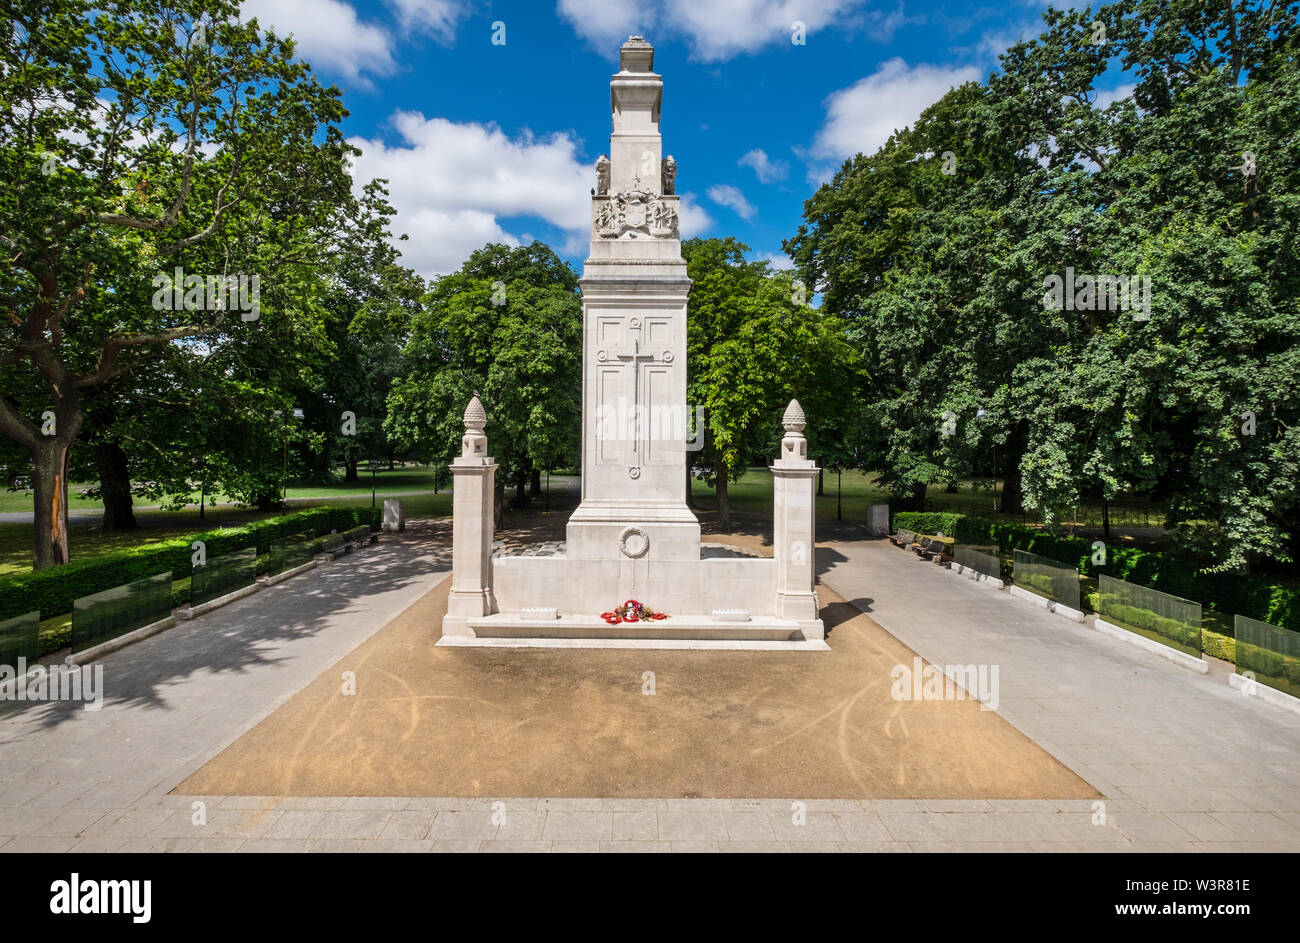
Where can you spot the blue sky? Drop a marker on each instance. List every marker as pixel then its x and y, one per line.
pixel 485 142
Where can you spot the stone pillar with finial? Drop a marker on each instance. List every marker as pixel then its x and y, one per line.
pixel 794 489
pixel 473 475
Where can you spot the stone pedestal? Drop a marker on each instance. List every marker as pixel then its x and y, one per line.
pixel 878 520
pixel 794 490
pixel 473 474
pixel 394 516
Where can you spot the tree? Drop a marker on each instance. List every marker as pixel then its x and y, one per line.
pixel 941 268
pixel 135 137
pixel 507 325
pixel 753 344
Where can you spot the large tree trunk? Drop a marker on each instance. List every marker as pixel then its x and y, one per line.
pixel 913 500
pixel 1013 495
pixel 350 473
pixel 724 512
pixel 537 481
pixel 114 487
pixel 50 459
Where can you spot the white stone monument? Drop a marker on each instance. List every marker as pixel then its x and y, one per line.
pixel 394 516
pixel 633 536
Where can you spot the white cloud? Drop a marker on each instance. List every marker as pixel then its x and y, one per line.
pixel 778 260
pixel 328 33
pixel 715 30
pixel 437 17
pixel 860 118
pixel 606 24
pixel 731 197
pixel 1107 98
pixel 692 219
pixel 453 184
pixel 768 170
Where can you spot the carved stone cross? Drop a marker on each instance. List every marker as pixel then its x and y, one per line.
pixel 635 358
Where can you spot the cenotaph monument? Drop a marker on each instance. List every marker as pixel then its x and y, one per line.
pixel 633 536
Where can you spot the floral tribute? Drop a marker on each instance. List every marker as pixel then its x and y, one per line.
pixel 632 611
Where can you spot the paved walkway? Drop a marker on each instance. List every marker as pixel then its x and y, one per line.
pixel 1182 757
pixel 99 779
pixel 1185 762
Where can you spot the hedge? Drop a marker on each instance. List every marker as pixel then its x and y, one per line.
pixel 1275 601
pixel 53 590
pixel 926 522
pixel 1146 619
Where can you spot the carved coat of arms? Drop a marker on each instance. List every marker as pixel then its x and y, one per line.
pixel 630 212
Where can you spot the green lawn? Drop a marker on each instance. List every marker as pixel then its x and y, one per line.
pixel 86 540
pixel 753 494
pixel 411 478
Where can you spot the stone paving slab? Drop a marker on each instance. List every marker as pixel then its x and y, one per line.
pixel 1184 763
pixel 474 825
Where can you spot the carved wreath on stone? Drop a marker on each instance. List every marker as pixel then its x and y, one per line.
pixel 630 212
pixel 633 542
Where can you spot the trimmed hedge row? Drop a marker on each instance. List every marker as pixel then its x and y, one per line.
pixel 1146 619
pixel 53 590
pixel 927 522
pixel 1275 601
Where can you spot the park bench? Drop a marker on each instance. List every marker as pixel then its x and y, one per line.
pixel 359 536
pixel 937 549
pixel 904 538
pixel 334 544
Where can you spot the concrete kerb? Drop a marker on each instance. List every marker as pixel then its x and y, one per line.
pixel 976 575
pixel 1199 665
pixel 289 574
pixel 1264 692
pixel 1055 608
pixel 220 601
pixel 113 644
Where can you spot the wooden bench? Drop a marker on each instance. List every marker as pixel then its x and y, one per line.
pixel 358 537
pixel 937 549
pixel 904 538
pixel 334 544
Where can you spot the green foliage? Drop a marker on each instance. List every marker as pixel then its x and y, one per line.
pixel 53 591
pixel 1140 618
pixel 138 136
pixel 1218 646
pixel 927 522
pixel 507 324
pixel 942 275
pixel 1273 601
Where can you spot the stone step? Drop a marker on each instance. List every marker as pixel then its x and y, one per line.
pixel 514 625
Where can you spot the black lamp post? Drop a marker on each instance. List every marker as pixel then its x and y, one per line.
pixel 983 413
pixel 284 472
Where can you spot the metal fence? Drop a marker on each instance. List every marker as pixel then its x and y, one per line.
pixel 20 637
pixel 223 574
pixel 1045 577
pixel 1169 619
pixel 980 559
pixel 113 612
pixel 1270 652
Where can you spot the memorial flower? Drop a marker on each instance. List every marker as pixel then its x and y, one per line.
pixel 632 611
